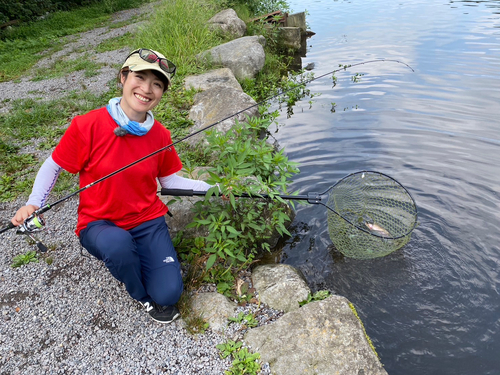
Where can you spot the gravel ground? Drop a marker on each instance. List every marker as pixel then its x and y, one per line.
pixel 66 314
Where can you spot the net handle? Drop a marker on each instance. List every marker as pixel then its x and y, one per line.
pixel 313 198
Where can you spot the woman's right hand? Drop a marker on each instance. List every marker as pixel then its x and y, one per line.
pixel 23 213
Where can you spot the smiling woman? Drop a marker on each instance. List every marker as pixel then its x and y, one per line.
pixel 121 221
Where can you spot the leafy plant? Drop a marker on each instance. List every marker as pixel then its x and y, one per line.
pixel 23 259
pixel 229 347
pixel 318 296
pixel 245 319
pixel 237 229
pixel 244 362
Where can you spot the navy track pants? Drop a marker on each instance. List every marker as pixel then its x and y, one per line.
pixel 143 258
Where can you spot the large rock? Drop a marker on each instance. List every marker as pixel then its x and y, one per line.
pixel 244 56
pixel 214 308
pixel 323 337
pixel 217 104
pixel 228 21
pixel 280 286
pixel 215 78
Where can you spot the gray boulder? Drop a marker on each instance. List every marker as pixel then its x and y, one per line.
pixel 228 22
pixel 280 286
pixel 214 78
pixel 323 337
pixel 216 104
pixel 244 56
pixel 214 308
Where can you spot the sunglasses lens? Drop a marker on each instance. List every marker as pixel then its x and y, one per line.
pixel 171 67
pixel 148 56
pixel 164 65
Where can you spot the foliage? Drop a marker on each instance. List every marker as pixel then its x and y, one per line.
pixel 32 10
pixel 23 259
pixel 245 319
pixel 318 296
pixel 256 7
pixel 244 362
pixel 229 347
pixel 237 229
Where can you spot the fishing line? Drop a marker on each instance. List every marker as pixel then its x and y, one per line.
pixel 34 222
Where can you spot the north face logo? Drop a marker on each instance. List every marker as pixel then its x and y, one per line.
pixel 168 260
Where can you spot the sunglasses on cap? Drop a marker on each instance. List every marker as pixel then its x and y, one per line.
pixel 151 57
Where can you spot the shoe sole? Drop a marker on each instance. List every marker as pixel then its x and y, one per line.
pixel 166 321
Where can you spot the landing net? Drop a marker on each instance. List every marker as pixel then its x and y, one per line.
pixel 374 215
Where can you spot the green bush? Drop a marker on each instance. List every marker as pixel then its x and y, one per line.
pixel 238 228
pixel 256 7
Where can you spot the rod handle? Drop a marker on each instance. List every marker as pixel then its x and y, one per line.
pixel 41 247
pixel 9 226
pixel 190 193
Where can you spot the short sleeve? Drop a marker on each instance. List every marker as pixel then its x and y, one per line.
pixel 171 163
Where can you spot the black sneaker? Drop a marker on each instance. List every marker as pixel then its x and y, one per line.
pixel 162 314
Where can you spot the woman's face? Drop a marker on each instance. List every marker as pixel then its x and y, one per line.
pixel 142 92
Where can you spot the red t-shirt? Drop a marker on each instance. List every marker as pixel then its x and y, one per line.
pixel 90 147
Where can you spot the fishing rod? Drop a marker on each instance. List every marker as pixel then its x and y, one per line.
pixel 35 222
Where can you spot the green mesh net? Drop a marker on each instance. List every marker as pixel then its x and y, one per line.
pixel 374 215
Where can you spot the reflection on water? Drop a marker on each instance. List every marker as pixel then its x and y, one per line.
pixel 432 307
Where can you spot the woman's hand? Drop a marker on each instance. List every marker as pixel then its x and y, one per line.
pixel 23 213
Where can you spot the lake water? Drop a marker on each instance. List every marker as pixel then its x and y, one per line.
pixel 432 307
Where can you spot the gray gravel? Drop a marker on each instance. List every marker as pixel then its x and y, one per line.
pixel 73 317
pixel 67 314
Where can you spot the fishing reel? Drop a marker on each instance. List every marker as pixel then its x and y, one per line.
pixel 32 224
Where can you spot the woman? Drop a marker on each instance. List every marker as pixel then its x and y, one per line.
pixel 121 219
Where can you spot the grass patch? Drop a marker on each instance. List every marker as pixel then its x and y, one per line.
pixel 62 68
pixel 112 44
pixel 178 40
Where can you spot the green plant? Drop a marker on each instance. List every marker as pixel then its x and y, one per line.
pixel 356 77
pixel 256 7
pixel 229 347
pixel 23 259
pixel 244 362
pixel 318 296
pixel 237 229
pixel 245 319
